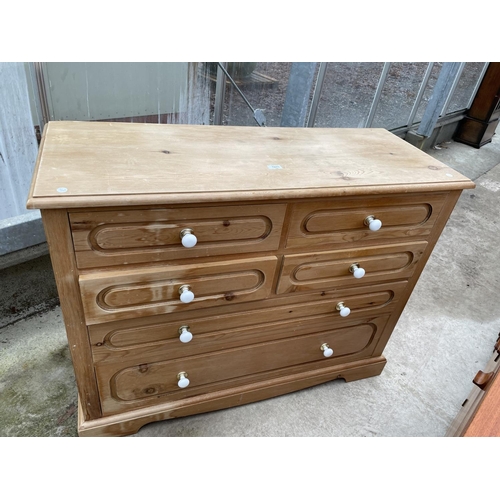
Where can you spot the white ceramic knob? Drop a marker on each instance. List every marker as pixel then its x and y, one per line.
pixel 186 294
pixel 327 352
pixel 357 271
pixel 372 223
pixel 188 239
pixel 344 311
pixel 183 380
pixel 185 335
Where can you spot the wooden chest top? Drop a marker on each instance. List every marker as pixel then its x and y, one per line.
pixel 83 164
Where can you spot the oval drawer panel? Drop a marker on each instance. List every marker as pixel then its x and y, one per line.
pixel 306 272
pixel 160 337
pixel 108 296
pixel 109 238
pixel 123 386
pixel 342 221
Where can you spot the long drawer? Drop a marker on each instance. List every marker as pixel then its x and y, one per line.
pixel 117 237
pixel 125 386
pixel 139 292
pixel 341 222
pixel 179 335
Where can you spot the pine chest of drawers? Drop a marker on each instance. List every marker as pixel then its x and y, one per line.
pixel 204 267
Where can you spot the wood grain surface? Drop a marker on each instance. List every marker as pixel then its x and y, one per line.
pixel 324 270
pixel 486 421
pixel 127 236
pixel 279 216
pixel 103 164
pixel 124 386
pixel 138 292
pixel 341 221
pixel 57 231
pixel 158 337
pixel 123 424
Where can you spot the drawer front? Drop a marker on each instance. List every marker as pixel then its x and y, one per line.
pixel 125 386
pixel 109 296
pixel 341 222
pixel 159 338
pixel 323 270
pixel 107 238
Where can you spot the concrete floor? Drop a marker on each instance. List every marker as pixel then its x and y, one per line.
pixel 443 338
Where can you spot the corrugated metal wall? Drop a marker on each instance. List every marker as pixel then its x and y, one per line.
pixel 18 145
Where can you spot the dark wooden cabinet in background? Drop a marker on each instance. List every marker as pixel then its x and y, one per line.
pixel 480 123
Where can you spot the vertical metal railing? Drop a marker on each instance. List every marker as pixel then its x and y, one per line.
pixel 420 95
pixel 220 91
pixel 441 94
pixel 42 93
pixel 378 94
pixel 452 89
pixel 478 83
pixel 317 94
pixel 298 91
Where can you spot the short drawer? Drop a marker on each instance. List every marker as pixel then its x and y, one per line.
pixel 159 338
pixel 115 237
pixel 109 296
pixel 325 270
pixel 126 386
pixel 342 221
